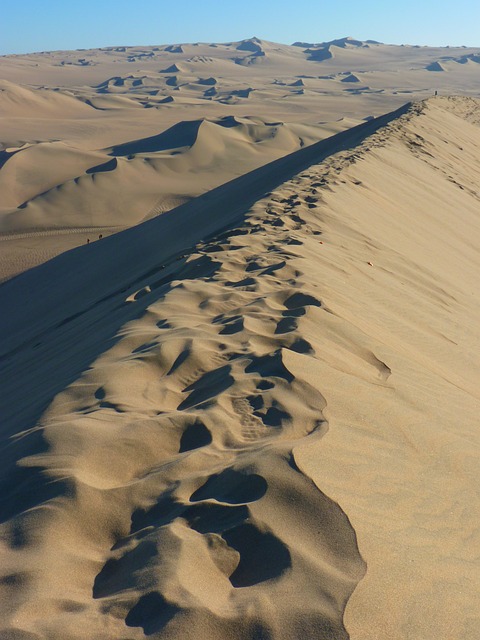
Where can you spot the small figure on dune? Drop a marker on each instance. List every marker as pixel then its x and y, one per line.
pixel 88 240
pixel 100 237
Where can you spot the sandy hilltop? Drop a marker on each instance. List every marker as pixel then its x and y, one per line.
pixel 100 140
pixel 249 411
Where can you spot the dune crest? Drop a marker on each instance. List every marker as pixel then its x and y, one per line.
pixel 51 190
pixel 93 100
pixel 242 399
pixel 182 479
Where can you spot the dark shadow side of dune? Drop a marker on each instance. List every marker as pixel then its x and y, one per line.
pixel 74 305
pixel 182 134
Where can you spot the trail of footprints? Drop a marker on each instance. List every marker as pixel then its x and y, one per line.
pixel 197 413
pixel 243 322
pixel 213 384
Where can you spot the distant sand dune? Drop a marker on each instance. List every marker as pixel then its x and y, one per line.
pixel 254 58
pixel 174 48
pixel 172 483
pixel 183 134
pixel 319 55
pixel 242 399
pixel 350 77
pixel 435 66
pixel 174 68
pixel 16 100
pixel 150 173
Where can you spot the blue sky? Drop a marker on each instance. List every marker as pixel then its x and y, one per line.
pixel 43 25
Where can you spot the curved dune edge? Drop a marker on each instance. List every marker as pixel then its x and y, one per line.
pixel 75 190
pixel 62 110
pixel 76 195
pixel 171 489
pixel 173 454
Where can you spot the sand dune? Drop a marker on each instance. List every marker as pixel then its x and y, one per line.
pixel 20 101
pixel 52 188
pixel 248 407
pixel 92 100
pixel 254 45
pixel 227 432
pixel 254 58
pixel 350 77
pixel 38 168
pixel 174 68
pixel 320 54
pixel 172 48
pixel 158 165
pixel 107 103
pixel 435 66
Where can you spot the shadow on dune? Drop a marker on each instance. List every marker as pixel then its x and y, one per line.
pixel 5 156
pixel 74 305
pixel 257 556
pixel 319 55
pixel 182 134
pixel 152 612
pixel 110 165
pixel 25 487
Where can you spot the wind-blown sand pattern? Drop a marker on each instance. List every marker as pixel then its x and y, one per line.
pixel 93 142
pixel 225 432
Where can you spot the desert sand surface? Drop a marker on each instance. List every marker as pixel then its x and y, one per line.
pixel 231 439
pixel 95 141
pixel 250 411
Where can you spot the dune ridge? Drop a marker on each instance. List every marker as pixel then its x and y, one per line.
pixel 197 526
pixel 95 257
pixel 175 477
pixel 263 397
pixel 97 99
pixel 53 188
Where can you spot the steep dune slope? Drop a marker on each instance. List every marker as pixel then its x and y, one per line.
pixel 56 187
pixel 236 434
pixel 62 111
pixel 52 190
pixel 19 101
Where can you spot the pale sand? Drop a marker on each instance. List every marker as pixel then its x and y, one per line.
pixel 226 431
pixel 92 142
pixel 254 415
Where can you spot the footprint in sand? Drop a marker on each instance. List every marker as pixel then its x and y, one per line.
pixel 249 284
pixel 231 325
pixel 262 556
pixel 252 427
pixel 207 387
pixel 196 435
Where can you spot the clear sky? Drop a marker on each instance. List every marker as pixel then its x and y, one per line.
pixel 44 25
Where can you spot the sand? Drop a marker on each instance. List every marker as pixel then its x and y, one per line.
pixel 255 414
pixel 95 141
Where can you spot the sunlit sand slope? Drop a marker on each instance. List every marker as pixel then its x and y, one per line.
pixel 95 141
pixel 224 422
